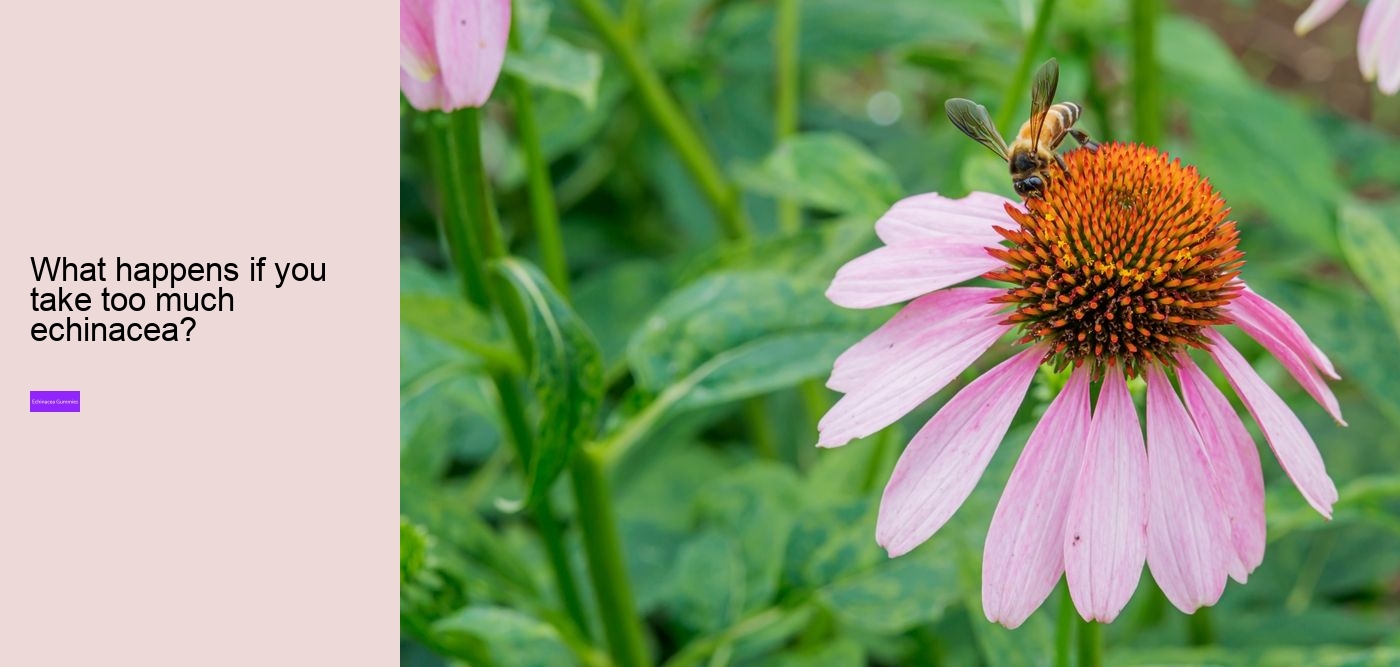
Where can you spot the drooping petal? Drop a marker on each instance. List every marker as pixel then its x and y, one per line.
pixel 941 314
pixel 471 37
pixel 1024 554
pixel 933 215
pixel 1292 445
pixel 901 272
pixel 1260 313
pixel 417 52
pixel 947 456
pixel 1378 24
pixel 1298 365
pixel 1234 460
pixel 1188 531
pixel 1316 13
pixel 926 365
pixel 1106 531
pixel 423 95
pixel 1389 66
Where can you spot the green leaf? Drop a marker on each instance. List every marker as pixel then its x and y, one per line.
pixel 896 595
pixel 413 551
pixel 558 65
pixel 1326 656
pixel 708 588
pixel 1235 130
pixel 725 311
pixel 1211 59
pixel 615 301
pixel 455 322
pixel 756 504
pixel 838 652
pixel 566 373
pixel 829 172
pixel 814 253
pixel 503 637
pixel 1370 239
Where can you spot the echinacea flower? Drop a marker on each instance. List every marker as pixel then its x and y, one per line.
pixel 1121 267
pixel 1377 42
pixel 451 51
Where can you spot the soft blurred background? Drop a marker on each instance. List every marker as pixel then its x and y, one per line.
pixel 743 543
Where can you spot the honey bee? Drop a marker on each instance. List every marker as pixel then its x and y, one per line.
pixel 1033 151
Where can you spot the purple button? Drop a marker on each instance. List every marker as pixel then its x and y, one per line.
pixel 54 401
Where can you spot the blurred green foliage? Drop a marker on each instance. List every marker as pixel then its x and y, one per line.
pixel 695 361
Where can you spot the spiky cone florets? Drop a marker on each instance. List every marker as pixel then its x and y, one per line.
pixel 1124 260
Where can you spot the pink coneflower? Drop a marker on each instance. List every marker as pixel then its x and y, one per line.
pixel 451 51
pixel 1119 269
pixel 1377 42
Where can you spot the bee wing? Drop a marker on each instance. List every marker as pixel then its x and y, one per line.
pixel 972 119
pixel 1043 86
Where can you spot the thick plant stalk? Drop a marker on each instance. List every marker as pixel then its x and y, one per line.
pixel 597 520
pixel 1012 102
pixel 785 105
pixel 666 113
pixel 464 184
pixel 1147 102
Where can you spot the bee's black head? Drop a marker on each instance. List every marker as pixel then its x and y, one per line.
pixel 1028 187
pixel 1024 162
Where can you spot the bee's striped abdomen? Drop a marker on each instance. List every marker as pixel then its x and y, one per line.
pixel 1067 113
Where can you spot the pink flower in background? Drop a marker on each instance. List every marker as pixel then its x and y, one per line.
pixel 1116 271
pixel 1377 43
pixel 451 51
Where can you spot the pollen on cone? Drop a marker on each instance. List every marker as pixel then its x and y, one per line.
pixel 1124 260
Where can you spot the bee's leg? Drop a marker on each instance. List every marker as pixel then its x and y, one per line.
pixel 1083 138
pixel 1060 160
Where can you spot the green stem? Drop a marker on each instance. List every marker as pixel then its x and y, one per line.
pixel 452 220
pixel 760 429
pixel 461 158
pixel 513 408
pixel 1064 628
pixel 873 465
pixel 464 159
pixel 667 114
pixel 815 400
pixel 1147 112
pixel 1020 84
pixel 1095 95
pixel 1090 644
pixel 603 545
pixel 785 114
pixel 597 522
pixel 1200 630
pixel 464 163
pixel 543 210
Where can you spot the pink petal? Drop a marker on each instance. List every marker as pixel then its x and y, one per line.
pixel 1106 531
pixel 932 315
pixel 933 215
pixel 417 53
pixel 1188 532
pixel 945 459
pixel 1261 313
pixel 1025 549
pixel 901 272
pixel 471 38
pixel 423 95
pixel 1292 445
pixel 1291 356
pixel 926 364
pixel 1378 24
pixel 1316 13
pixel 1235 461
pixel 1389 65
